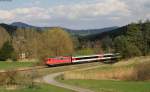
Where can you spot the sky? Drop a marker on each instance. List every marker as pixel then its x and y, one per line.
pixel 75 14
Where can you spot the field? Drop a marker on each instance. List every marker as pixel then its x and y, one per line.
pixel 40 88
pixel 42 72
pixel 12 65
pixel 105 77
pixel 91 78
pixel 111 85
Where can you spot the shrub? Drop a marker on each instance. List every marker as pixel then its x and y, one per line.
pixel 11 78
pixel 142 71
pixel 7 52
pixel 24 79
pixel 8 78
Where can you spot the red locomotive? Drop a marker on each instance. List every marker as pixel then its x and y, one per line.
pixel 80 59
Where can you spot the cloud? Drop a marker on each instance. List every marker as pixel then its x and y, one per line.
pixel 6 15
pixel 76 11
pixel 25 14
pixel 138 8
pixel 32 13
pixel 91 10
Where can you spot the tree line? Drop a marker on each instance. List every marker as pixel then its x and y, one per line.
pixel 131 40
pixel 134 40
pixel 34 44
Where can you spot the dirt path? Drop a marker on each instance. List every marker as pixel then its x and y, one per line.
pixel 50 79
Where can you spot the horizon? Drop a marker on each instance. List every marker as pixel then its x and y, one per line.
pixel 75 14
pixel 61 26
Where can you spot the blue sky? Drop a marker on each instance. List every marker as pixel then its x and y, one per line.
pixel 75 14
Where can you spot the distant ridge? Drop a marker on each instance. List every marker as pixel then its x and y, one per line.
pixel 22 25
pixel 88 33
pixel 10 29
pixel 91 31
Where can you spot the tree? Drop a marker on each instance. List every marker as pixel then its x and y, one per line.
pixel 126 48
pixel 107 44
pixel 19 41
pixel 26 41
pixel 85 51
pixel 98 48
pixel 7 52
pixel 4 36
pixel 146 37
pixel 55 42
pixel 134 35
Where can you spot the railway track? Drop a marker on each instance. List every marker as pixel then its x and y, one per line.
pixel 67 60
pixel 25 69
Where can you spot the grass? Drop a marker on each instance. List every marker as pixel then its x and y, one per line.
pixel 123 70
pixel 96 85
pixel 12 65
pixel 43 72
pixel 105 77
pixel 41 88
pixel 111 85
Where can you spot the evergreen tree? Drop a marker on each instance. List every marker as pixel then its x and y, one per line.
pixel 125 47
pixel 107 44
pixel 134 35
pixel 146 37
pixel 7 52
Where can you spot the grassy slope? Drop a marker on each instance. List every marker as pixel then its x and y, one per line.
pixel 41 88
pixel 11 65
pixel 112 85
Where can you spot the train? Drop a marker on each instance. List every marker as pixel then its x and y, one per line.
pixel 108 57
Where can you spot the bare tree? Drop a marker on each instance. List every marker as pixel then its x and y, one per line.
pixel 56 42
pixel 26 41
pixel 4 36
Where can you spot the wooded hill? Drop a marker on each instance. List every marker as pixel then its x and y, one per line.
pixel 130 40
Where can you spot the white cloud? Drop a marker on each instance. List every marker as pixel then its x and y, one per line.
pixel 6 15
pixel 91 10
pixel 76 11
pixel 25 14
pixel 32 13
pixel 86 11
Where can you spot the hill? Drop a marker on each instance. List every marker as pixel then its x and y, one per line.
pixel 22 25
pixel 114 32
pixel 88 32
pixel 10 29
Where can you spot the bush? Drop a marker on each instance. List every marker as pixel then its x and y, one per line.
pixel 25 79
pixel 8 78
pixel 7 52
pixel 126 48
pixel 142 71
